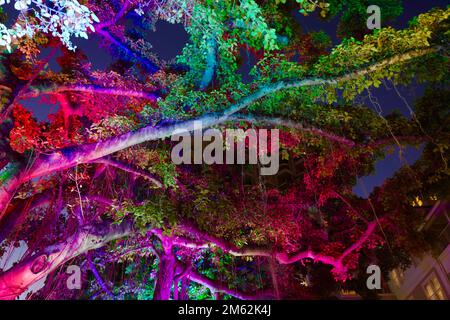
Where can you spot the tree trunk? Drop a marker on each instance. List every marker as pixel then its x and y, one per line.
pixel 176 293
pixel 21 276
pixel 273 274
pixel 217 295
pixel 166 273
pixel 70 157
pixel 184 289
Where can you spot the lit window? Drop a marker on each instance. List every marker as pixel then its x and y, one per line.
pixel 433 289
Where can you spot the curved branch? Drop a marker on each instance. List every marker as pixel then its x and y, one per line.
pixel 98 277
pixel 294 125
pixel 24 88
pixel 20 277
pixel 206 240
pixel 122 13
pixel 214 286
pixel 337 263
pixel 349 205
pixel 211 63
pixel 358 244
pixel 149 65
pixel 281 257
pixel 398 139
pixel 101 29
pixel 10 181
pixel 69 157
pixel 5 88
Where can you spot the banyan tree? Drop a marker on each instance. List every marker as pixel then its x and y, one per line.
pixel 86 173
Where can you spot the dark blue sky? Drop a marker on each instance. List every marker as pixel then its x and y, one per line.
pixel 168 41
pixel 389 98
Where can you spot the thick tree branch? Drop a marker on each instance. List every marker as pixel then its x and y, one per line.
pixel 101 29
pixel 17 95
pixel 211 63
pixel 281 257
pixel 20 277
pixel 337 263
pixel 398 139
pixel 348 204
pixel 149 65
pixel 36 91
pixel 127 168
pixel 294 125
pixel 97 276
pixel 17 215
pixel 215 286
pixel 69 157
pixel 363 239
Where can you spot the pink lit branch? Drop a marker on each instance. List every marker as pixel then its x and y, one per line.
pixel 281 257
pixel 215 286
pixel 20 277
pixel 35 91
pixel 122 12
pixel 294 125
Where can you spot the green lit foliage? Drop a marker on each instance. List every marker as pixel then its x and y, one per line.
pixel 348 56
pixel 308 206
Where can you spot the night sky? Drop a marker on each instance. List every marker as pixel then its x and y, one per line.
pixel 168 41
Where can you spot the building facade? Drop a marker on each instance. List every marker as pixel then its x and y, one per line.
pixel 428 278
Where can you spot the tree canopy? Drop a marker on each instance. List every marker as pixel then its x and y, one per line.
pixel 94 185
